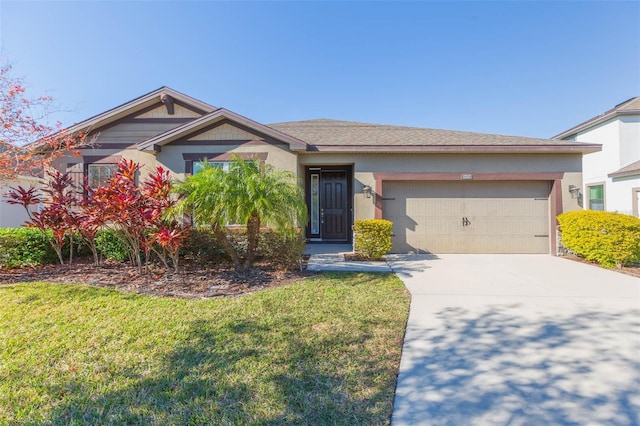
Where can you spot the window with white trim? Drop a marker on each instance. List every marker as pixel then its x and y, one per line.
pixel 596 197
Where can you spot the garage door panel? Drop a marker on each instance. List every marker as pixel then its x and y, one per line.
pixel 475 244
pixel 501 217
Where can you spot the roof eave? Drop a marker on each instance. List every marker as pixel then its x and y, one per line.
pixel 594 122
pixel 132 106
pixel 629 173
pixel 151 145
pixel 573 148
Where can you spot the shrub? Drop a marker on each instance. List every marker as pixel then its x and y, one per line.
pixel 201 247
pixel 372 237
pixel 109 244
pixel 275 249
pixel 282 251
pixel 25 247
pixel 610 239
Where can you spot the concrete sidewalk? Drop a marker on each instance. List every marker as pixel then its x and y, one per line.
pixel 517 339
pixel 330 257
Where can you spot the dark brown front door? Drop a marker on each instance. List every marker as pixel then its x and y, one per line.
pixel 333 205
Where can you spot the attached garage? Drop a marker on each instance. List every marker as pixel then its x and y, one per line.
pixel 468 216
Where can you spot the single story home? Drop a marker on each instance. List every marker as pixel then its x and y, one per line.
pixel 612 175
pixel 445 191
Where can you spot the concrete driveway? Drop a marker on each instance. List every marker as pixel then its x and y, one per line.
pixel 517 339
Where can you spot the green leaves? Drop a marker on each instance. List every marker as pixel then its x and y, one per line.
pixel 249 193
pixel 372 237
pixel 611 239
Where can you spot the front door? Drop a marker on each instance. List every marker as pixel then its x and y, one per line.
pixel 333 205
pixel 329 204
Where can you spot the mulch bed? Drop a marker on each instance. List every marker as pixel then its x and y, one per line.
pixel 191 282
pixel 633 270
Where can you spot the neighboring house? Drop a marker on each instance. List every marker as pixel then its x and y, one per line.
pixel 445 191
pixel 11 215
pixel 612 176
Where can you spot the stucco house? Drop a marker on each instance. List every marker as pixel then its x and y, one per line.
pixel 446 191
pixel 611 176
pixel 11 215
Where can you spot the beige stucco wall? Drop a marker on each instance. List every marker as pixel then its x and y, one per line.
pixel 365 165
pixel 277 155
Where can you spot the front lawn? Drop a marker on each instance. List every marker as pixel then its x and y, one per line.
pixel 325 350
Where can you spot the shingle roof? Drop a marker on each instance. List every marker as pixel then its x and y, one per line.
pixel 629 170
pixel 628 107
pixel 334 135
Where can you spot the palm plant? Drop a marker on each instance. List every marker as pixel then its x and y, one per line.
pixel 250 193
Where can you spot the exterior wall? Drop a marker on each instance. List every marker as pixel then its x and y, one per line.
pixel 223 139
pixel 619 194
pixel 365 165
pixel 224 132
pixel 231 139
pixel 130 133
pixel 280 157
pixel 178 112
pixel 13 216
pixel 620 139
pixel 629 139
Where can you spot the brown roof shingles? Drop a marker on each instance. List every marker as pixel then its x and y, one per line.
pixel 629 170
pixel 334 135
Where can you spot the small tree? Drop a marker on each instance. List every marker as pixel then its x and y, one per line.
pixel 27 144
pixel 89 221
pixel 251 193
pixel 56 219
pixel 138 214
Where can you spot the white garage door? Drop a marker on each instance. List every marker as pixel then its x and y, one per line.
pixel 468 217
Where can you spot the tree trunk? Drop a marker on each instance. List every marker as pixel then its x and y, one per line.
pixel 221 236
pixel 253 235
pixel 71 248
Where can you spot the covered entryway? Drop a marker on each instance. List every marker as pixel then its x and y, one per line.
pixel 468 216
pixel 329 200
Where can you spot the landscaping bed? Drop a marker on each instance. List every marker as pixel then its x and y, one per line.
pixel 191 282
pixel 633 270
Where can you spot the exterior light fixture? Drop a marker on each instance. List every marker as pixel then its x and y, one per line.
pixel 366 190
pixel 575 191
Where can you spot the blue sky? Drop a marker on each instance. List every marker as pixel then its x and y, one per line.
pixel 519 68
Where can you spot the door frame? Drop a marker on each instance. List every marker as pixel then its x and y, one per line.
pixel 308 172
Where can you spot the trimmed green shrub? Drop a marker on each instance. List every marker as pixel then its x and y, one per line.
pixel 372 237
pixel 610 239
pixel 110 245
pixel 201 248
pixel 274 248
pixel 281 251
pixel 25 247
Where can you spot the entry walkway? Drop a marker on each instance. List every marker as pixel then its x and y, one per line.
pixel 517 339
pixel 330 257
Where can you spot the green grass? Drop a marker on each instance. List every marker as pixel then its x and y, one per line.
pixel 322 351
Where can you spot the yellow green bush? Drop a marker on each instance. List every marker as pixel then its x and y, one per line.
pixel 610 239
pixel 372 237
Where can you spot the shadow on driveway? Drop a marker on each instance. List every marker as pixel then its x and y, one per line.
pixel 492 365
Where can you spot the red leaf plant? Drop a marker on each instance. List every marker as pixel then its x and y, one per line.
pixel 57 219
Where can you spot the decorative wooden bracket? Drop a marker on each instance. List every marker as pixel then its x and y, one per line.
pixel 168 102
